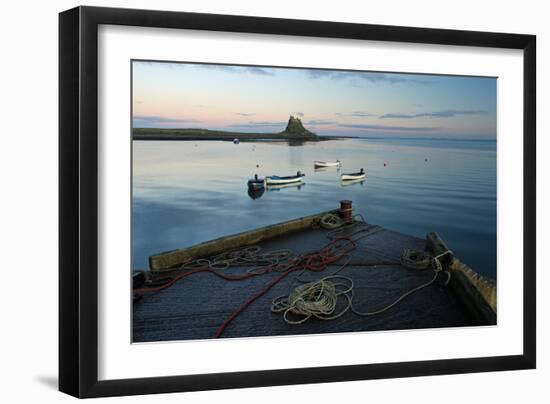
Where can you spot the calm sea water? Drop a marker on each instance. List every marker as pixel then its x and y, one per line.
pixel 188 192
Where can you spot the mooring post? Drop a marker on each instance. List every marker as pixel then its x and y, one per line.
pixel 346 210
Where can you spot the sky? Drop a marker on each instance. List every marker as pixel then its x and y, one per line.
pixel 329 102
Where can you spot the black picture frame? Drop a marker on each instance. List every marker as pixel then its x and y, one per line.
pixel 78 200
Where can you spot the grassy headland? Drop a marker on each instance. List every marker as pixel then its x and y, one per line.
pixel 294 131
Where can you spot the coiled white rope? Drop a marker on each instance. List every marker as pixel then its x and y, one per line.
pixel 320 299
pixel 317 299
pixel 331 221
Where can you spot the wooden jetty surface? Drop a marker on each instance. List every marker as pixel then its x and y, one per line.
pixel 196 306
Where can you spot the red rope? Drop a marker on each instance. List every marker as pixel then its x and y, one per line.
pixel 314 263
pixel 250 301
pixel 194 271
pixel 329 254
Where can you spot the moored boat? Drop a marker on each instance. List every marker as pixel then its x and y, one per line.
pixel 256 183
pixel 277 180
pixel 360 175
pixel 318 163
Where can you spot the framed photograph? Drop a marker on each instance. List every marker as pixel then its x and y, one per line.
pixel 251 201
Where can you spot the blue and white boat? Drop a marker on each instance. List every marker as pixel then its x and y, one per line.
pixel 276 180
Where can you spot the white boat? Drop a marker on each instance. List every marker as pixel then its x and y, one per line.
pixel 276 180
pixel 360 175
pixel 318 163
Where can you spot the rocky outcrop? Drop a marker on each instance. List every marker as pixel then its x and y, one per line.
pixel 295 130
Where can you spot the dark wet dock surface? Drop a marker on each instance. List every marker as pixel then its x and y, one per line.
pixel 196 306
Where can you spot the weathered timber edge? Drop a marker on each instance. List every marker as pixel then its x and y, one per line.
pixel 168 260
pixel 477 293
pixel 439 249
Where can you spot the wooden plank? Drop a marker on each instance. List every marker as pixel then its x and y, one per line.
pixel 168 260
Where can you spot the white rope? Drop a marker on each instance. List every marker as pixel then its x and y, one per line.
pixel 331 221
pixel 320 299
pixel 276 260
pixel 437 268
pixel 315 299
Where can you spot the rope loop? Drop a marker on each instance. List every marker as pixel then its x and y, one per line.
pixel 319 299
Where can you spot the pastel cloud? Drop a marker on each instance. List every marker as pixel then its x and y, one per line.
pixel 365 76
pixel 260 99
pixel 261 71
pixel 390 127
pixel 152 120
pixel 316 122
pixel 437 114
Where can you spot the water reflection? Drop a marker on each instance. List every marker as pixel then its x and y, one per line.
pixel 296 142
pixel 182 193
pixel 298 186
pixel 352 182
pixel 255 193
pixel 326 169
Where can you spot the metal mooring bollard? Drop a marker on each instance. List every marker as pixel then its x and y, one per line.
pixel 346 210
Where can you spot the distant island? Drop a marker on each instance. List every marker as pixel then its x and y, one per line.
pixel 294 131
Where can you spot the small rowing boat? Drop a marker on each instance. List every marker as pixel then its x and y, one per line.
pixel 276 180
pixel 360 175
pixel 256 183
pixel 336 163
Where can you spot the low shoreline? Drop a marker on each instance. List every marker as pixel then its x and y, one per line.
pixel 205 134
pixel 241 139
